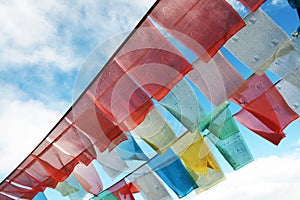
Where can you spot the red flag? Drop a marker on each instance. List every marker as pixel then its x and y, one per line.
pixel 201 25
pixel 253 5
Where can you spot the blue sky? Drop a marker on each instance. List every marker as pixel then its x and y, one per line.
pixel 42 48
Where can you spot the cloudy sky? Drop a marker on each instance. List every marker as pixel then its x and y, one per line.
pixel 42 48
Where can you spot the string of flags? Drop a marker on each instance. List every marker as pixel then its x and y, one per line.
pixel 140 127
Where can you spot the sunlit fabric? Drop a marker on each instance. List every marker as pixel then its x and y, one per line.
pixel 121 191
pixel 88 178
pixel 253 5
pixel 152 61
pixel 119 97
pixel 206 121
pixel 284 65
pixel 130 150
pixel 217 79
pixel 210 179
pixel 223 126
pixel 201 25
pixel 290 93
pixel 156 132
pixel 182 102
pixel 35 170
pixel 23 178
pixel 58 164
pixel 151 187
pixel 171 170
pixel 81 193
pixel 4 197
pixel 73 142
pixel 96 125
pixel 65 188
pixel 260 42
pixel 265 106
pixel 112 163
pixel 17 191
pixel 195 156
pixel 40 196
pixel 234 149
pixel 257 126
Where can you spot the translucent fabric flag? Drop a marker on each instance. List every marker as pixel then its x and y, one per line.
pixel 152 61
pixel 80 194
pixel 201 25
pixel 75 143
pixel 111 163
pixel 290 93
pixel 89 119
pixel 251 122
pixel 206 121
pixel 171 170
pixel 88 178
pixel 130 150
pixel 284 65
pixel 23 178
pixel 17 191
pixel 156 132
pixel 184 105
pixel 217 79
pixel 58 164
pixel 151 187
pixel 253 5
pixel 234 149
pixel 4 197
pixel 195 156
pixel 32 167
pixel 223 126
pixel 199 163
pixel 118 96
pixel 40 196
pixel 121 191
pixel 210 179
pixel 65 188
pixel 265 106
pixel 260 42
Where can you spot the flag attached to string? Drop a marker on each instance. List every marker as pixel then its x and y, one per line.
pixel 171 170
pixel 152 61
pixel 234 149
pixel 65 188
pixel 17 191
pixel 73 142
pixel 284 65
pixel 112 163
pixel 156 132
pixel 217 79
pixel 119 97
pixel 260 42
pixel 88 178
pixel 291 94
pixel 151 187
pixel 89 119
pixel 264 109
pixel 121 191
pixel 201 25
pixel 39 196
pixel 184 105
pixel 130 150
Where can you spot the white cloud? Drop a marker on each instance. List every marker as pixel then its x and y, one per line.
pixel 272 177
pixel 23 124
pixel 238 6
pixel 61 33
